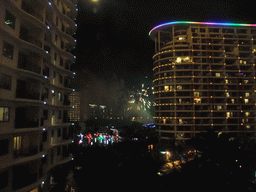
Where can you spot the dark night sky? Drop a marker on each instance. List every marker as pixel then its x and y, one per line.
pixel 114 38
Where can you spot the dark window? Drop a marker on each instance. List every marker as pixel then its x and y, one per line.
pixel 4 146
pixel 4 113
pixel 194 30
pixel 59 117
pixel 213 30
pixel 45 92
pixel 62 45
pixel 60 79
pixel 5 81
pixel 56 37
pixel 59 132
pixel 8 50
pixel 44 159
pixel 57 21
pixel 55 56
pixel 58 151
pixel 62 28
pixel 54 74
pixel 46 71
pixel 241 31
pixel 3 179
pixel 45 114
pixel 202 30
pixel 44 136
pixel 61 61
pixel 9 19
pixel 52 156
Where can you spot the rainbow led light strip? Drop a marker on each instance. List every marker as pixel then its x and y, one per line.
pixel 201 23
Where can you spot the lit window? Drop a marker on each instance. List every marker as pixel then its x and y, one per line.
pixel 9 19
pixel 4 114
pixel 246 100
pixel 179 87
pixel 197 100
pixel 219 107
pixel 180 121
pixel 60 96
pixel 247 114
pixel 246 81
pixel 170 88
pixel 247 94
pixel 186 59
pixel 245 62
pixel 196 94
pixel 217 74
pixel 241 61
pixel 227 94
pixel 248 126
pixel 226 81
pixel 17 144
pixel 166 88
pixel 8 50
pixel 228 114
pixel 164 121
pixel 178 60
pixel 233 100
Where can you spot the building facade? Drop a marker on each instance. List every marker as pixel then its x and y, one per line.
pixel 204 78
pixel 35 52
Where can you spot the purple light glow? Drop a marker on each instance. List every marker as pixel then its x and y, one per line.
pixel 201 23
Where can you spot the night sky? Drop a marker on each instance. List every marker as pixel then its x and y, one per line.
pixel 112 35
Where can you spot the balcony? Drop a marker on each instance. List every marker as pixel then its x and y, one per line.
pixel 25 63
pixel 24 35
pixel 67 83
pixel 28 89
pixel 26 117
pixel 24 175
pixel 30 10
pixel 25 152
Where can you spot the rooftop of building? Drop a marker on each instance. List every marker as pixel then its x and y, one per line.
pixel 153 31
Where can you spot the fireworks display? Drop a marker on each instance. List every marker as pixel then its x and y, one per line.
pixel 139 105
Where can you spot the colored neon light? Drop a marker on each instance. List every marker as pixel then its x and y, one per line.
pixel 201 23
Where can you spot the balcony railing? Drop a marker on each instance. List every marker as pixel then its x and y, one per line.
pixel 31 39
pixel 26 124
pixel 23 94
pixel 25 152
pixel 30 67
pixel 31 11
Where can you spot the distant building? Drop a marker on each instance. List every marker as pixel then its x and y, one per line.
pixel 204 79
pixel 75 111
pixel 35 134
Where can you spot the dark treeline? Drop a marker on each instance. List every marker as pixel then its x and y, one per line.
pixel 224 165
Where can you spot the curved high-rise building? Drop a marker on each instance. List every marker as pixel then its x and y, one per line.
pixel 204 78
pixel 35 60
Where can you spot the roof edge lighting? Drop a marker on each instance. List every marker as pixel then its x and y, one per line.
pixel 201 23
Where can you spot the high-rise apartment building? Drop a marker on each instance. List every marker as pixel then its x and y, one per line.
pixel 35 52
pixel 204 78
